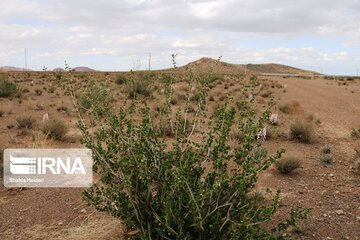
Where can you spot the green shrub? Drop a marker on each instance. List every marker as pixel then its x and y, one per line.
pixel 25 122
pixel 121 79
pixel 326 150
pixel 182 188
pixel 287 165
pixel 302 132
pixel 7 89
pixel 95 99
pixel 138 85
pixel 58 76
pixel 326 158
pixel 55 129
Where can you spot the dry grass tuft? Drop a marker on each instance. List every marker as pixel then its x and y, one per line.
pixel 287 165
pixel 302 132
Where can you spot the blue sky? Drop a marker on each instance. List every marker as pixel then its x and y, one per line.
pixel 322 35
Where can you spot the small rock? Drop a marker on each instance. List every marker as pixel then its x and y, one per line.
pixel 337 192
pixel 83 210
pixel 331 175
pixel 358 218
pixel 339 212
pixel 60 223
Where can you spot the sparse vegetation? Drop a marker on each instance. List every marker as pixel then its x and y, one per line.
pixel 326 158
pixel 301 132
pixel 7 89
pixel 25 122
pixel 54 129
pixel 287 165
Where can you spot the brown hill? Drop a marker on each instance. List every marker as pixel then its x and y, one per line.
pixel 13 69
pixel 277 68
pixel 83 69
pixel 204 64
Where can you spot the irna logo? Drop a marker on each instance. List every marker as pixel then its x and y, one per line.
pixel 46 165
pixel 61 167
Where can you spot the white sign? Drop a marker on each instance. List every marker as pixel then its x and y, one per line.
pixel 47 168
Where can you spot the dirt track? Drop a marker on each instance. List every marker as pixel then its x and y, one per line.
pixel 337 106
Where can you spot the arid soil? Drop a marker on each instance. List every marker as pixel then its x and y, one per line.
pixel 331 191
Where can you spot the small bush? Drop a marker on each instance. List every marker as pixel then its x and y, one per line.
pixel 287 165
pixel 326 150
pixel 7 89
pixel 25 122
pixel 58 76
pixel 355 133
pixel 284 108
pixel 195 98
pixel 55 129
pixel 222 98
pixel 38 92
pixel 357 152
pixel 1 113
pixel 121 79
pixel 213 77
pixel 326 158
pixel 289 108
pixel 302 132
pixel 51 89
pixel 266 94
pixel 96 99
pixel 138 86
pixel 271 133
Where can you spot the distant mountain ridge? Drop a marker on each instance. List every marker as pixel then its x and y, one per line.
pixel 76 69
pixel 13 69
pixel 203 65
pixel 17 69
